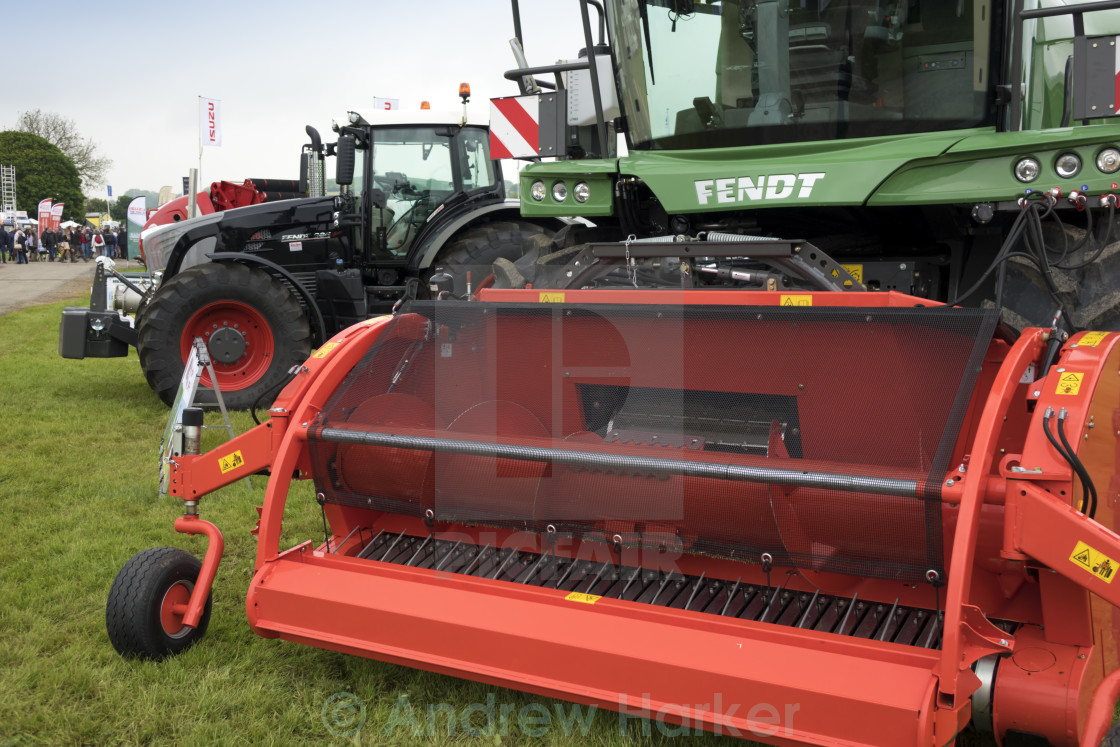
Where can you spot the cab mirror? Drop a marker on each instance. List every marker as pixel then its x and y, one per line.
pixel 344 166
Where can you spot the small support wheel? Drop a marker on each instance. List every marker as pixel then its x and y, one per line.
pixel 144 614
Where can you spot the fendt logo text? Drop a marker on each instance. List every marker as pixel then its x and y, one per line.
pixel 747 189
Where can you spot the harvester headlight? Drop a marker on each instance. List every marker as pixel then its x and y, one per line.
pixel 559 191
pixel 97 324
pixel 1068 165
pixel 1108 161
pixel 1027 170
pixel 537 191
pixel 581 192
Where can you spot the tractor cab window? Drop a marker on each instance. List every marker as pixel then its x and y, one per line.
pixel 357 189
pixel 474 158
pixel 413 168
pixel 704 74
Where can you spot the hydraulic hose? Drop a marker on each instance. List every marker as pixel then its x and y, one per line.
pixel 1103 243
pixel 1065 455
pixel 1078 466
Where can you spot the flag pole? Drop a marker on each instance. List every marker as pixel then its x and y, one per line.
pixel 194 185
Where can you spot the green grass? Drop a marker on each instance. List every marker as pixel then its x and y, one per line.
pixel 78 476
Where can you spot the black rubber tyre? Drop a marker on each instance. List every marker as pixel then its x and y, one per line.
pixel 135 614
pixel 477 248
pixel 1112 739
pixel 265 333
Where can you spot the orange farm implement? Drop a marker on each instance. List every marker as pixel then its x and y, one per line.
pixel 882 517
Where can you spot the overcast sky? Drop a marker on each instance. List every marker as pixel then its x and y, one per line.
pixel 130 73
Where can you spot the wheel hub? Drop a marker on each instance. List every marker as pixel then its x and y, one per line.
pixel 227 345
pixel 170 614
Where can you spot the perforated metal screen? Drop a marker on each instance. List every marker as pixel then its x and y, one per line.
pixel 818 435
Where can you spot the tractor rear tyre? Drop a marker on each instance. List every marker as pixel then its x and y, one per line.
pixel 252 324
pixel 1112 739
pixel 140 616
pixel 477 248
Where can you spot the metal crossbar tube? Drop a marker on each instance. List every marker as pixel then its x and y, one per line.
pixel 1069 10
pixel 596 460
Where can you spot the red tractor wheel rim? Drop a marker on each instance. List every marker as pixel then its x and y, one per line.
pixel 170 620
pixel 239 340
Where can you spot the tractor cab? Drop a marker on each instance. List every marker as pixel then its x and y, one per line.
pixel 703 75
pixel 911 143
pixel 403 168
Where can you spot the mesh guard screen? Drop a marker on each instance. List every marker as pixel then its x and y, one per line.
pixel 861 396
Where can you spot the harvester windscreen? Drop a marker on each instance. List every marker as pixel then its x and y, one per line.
pixel 739 72
pixel 818 435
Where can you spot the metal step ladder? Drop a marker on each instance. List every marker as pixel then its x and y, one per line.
pixel 198 362
pixel 8 193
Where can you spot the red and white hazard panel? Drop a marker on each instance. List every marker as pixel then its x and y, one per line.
pixel 515 127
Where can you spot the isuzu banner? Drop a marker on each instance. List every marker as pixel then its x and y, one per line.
pixel 44 217
pixel 56 215
pixel 137 216
pixel 210 122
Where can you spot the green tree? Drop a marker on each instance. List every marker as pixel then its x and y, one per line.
pixel 96 205
pixel 120 207
pixel 42 171
pixel 63 133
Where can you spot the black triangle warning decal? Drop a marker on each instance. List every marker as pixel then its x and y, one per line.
pixel 1083 558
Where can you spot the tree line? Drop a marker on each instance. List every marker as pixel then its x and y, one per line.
pixel 52 160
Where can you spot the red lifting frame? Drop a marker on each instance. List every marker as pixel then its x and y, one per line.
pixel 774 684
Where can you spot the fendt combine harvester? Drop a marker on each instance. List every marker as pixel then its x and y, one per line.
pixel 697 467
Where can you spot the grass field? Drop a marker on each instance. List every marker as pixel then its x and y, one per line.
pixel 78 478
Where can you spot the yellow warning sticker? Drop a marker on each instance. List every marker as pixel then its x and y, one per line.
pixel 325 350
pixel 856 271
pixel 231 461
pixel 552 298
pixel 1097 563
pixel 799 300
pixel 1069 382
pixel 576 596
pixel 1091 339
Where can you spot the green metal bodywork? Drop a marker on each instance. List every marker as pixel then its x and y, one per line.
pixel 956 167
pixel 599 174
pixel 950 166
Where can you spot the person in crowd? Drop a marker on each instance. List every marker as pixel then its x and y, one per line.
pixel 110 243
pixel 75 244
pixel 33 243
pixel 98 244
pixel 83 241
pixel 5 244
pixel 122 240
pixel 48 244
pixel 63 247
pixel 19 240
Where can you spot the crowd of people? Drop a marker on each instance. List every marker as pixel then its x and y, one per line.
pixel 23 245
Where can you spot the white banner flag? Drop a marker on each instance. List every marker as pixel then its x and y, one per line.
pixel 210 122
